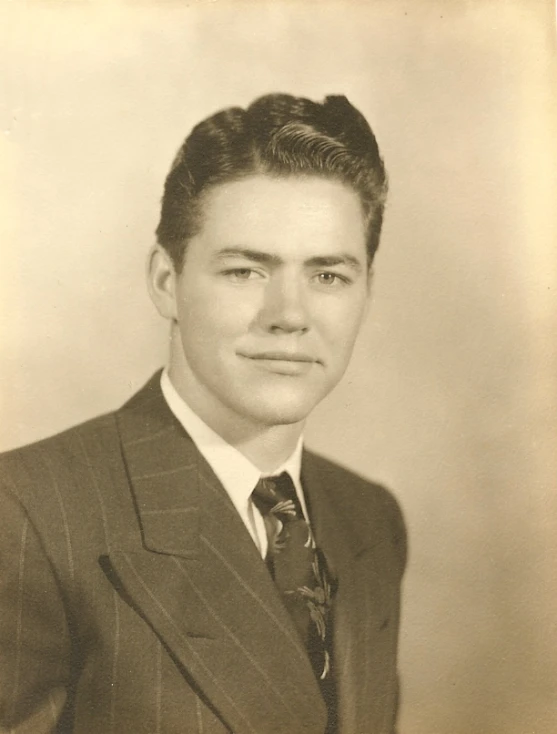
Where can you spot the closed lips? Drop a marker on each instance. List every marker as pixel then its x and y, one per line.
pixel 282 356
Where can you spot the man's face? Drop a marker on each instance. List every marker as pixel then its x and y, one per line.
pixel 270 299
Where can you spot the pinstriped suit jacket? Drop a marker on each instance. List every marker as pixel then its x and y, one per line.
pixel 134 600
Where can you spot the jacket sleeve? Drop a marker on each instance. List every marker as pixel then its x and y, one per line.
pixel 34 636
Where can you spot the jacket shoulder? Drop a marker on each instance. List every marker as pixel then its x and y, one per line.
pixel 100 432
pixel 68 469
pixel 365 504
pixel 348 482
pixel 26 469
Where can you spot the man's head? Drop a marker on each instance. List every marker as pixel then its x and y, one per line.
pixel 278 135
pixel 270 221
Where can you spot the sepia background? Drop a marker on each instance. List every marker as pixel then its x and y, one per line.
pixel 452 396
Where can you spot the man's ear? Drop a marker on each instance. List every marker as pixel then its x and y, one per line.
pixel 161 282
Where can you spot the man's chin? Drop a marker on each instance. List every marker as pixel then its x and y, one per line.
pixel 274 413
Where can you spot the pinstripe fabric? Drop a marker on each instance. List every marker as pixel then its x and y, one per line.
pixel 134 600
pixel 18 640
pixel 158 689
pixel 63 515
pixel 106 534
pixel 199 717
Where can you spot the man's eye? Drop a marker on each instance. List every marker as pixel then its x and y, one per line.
pixel 240 274
pixel 328 278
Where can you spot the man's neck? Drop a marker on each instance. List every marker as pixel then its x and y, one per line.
pixel 267 447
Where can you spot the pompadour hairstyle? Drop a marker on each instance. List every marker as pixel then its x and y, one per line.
pixel 277 135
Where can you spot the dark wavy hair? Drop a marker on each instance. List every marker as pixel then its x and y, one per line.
pixel 278 135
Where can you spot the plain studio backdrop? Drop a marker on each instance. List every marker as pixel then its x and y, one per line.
pixel 451 398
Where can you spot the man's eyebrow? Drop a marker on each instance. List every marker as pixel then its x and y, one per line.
pixel 257 256
pixel 266 258
pixel 328 261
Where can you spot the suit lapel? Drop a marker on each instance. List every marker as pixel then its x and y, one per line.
pixel 200 583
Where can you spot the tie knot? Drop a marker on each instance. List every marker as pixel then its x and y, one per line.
pixel 277 495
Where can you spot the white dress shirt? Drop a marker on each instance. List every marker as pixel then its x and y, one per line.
pixel 236 473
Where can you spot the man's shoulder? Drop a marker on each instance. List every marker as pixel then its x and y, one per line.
pixel 95 437
pixel 55 483
pixel 63 450
pixel 367 507
pixel 349 485
pixel 76 479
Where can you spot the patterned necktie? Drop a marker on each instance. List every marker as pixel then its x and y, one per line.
pixel 297 567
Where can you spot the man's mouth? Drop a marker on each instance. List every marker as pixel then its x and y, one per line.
pixel 283 362
pixel 282 356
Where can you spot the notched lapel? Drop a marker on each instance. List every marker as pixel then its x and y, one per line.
pixel 199 582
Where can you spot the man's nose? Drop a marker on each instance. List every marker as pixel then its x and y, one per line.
pixel 285 306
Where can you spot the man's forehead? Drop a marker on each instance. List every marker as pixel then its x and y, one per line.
pixel 294 207
pixel 308 185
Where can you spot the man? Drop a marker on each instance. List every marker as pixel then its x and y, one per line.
pixel 184 564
